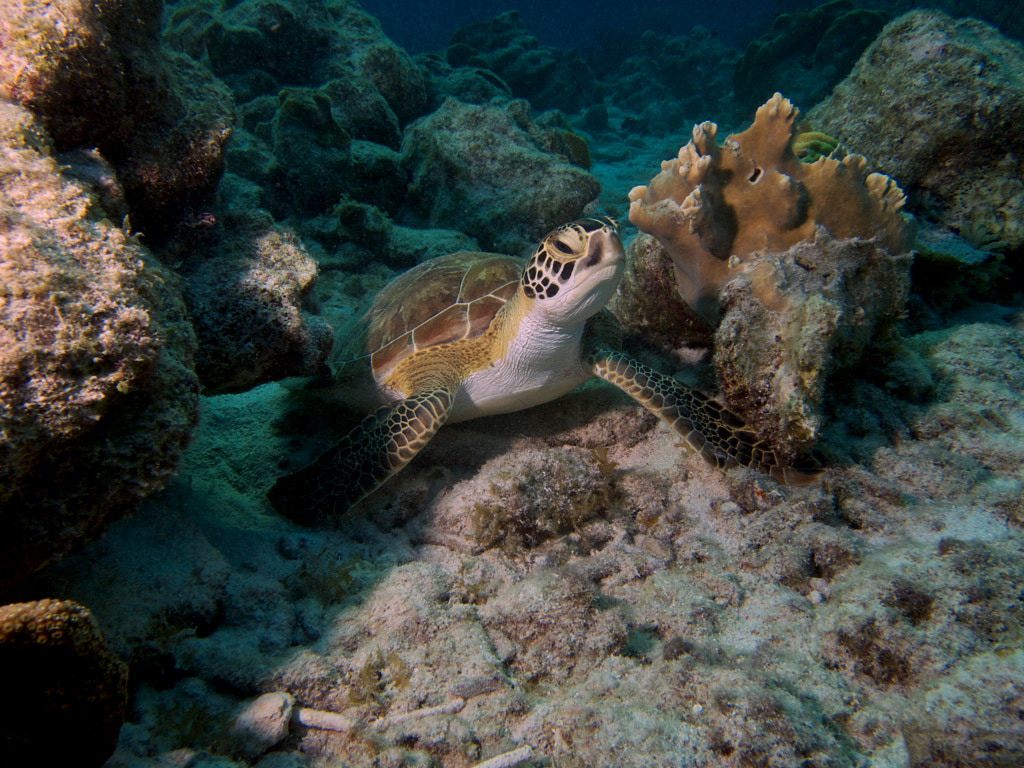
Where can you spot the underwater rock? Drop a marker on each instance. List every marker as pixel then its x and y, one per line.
pixel 809 51
pixel 300 135
pixel 67 692
pixel 488 171
pixel 258 46
pixel 253 307
pixel 96 75
pixel 665 80
pixel 555 624
pixel 550 78
pixel 97 391
pixel 517 505
pixel 361 234
pixel 262 723
pixel 796 268
pixel 773 361
pixel 470 85
pixel 936 103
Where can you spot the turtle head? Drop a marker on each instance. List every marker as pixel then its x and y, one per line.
pixel 575 269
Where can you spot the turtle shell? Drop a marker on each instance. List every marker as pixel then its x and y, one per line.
pixel 442 300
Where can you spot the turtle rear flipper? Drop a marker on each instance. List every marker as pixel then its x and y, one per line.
pixel 373 451
pixel 718 434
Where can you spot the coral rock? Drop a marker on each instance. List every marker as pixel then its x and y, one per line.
pixel 67 692
pixel 487 171
pixel 257 46
pixel 550 78
pixel 253 309
pixel 938 103
pixel 773 362
pixel 810 51
pixel 797 269
pixel 712 207
pixel 96 75
pixel 262 723
pixel 97 391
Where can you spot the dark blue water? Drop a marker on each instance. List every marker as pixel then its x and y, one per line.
pixel 576 23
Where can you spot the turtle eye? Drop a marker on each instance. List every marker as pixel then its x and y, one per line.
pixel 563 246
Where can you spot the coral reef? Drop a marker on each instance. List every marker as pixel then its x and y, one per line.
pixel 689 619
pixel 548 77
pixel 568 585
pixel 933 100
pixel 55 662
pixel 490 172
pixel 713 207
pixel 97 392
pixel 250 293
pixel 358 233
pixel 663 81
pixel 258 46
pixel 809 51
pixel 96 75
pixel 797 268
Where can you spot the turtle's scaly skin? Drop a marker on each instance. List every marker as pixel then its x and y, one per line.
pixel 716 433
pixel 357 465
pixel 457 338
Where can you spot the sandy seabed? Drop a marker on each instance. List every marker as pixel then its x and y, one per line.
pixel 572 585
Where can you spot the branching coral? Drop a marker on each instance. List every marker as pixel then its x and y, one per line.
pixel 713 207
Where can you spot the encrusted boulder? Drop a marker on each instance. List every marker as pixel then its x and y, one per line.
pixel 67 692
pixel 258 46
pixel 938 104
pixel 550 78
pixel 253 307
pixel 491 172
pixel 810 51
pixel 97 391
pixel 96 75
pixel 773 362
pixel 662 81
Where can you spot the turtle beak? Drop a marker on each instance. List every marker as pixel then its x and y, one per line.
pixel 603 246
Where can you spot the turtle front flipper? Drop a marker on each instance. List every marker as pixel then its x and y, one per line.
pixel 718 434
pixel 377 448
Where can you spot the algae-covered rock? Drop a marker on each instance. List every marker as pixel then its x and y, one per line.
pixel 663 80
pixel 809 51
pixel 936 102
pixel 96 75
pixel 486 171
pixel 549 77
pixel 843 299
pixel 254 308
pixel 97 391
pixel 258 46
pixel 61 679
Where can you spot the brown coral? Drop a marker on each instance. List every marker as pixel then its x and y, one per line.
pixel 713 207
pixel 55 664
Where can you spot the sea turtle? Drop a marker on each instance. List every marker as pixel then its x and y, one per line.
pixel 472 334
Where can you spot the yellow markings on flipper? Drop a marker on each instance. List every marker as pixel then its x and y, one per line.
pixel 715 432
pixel 373 451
